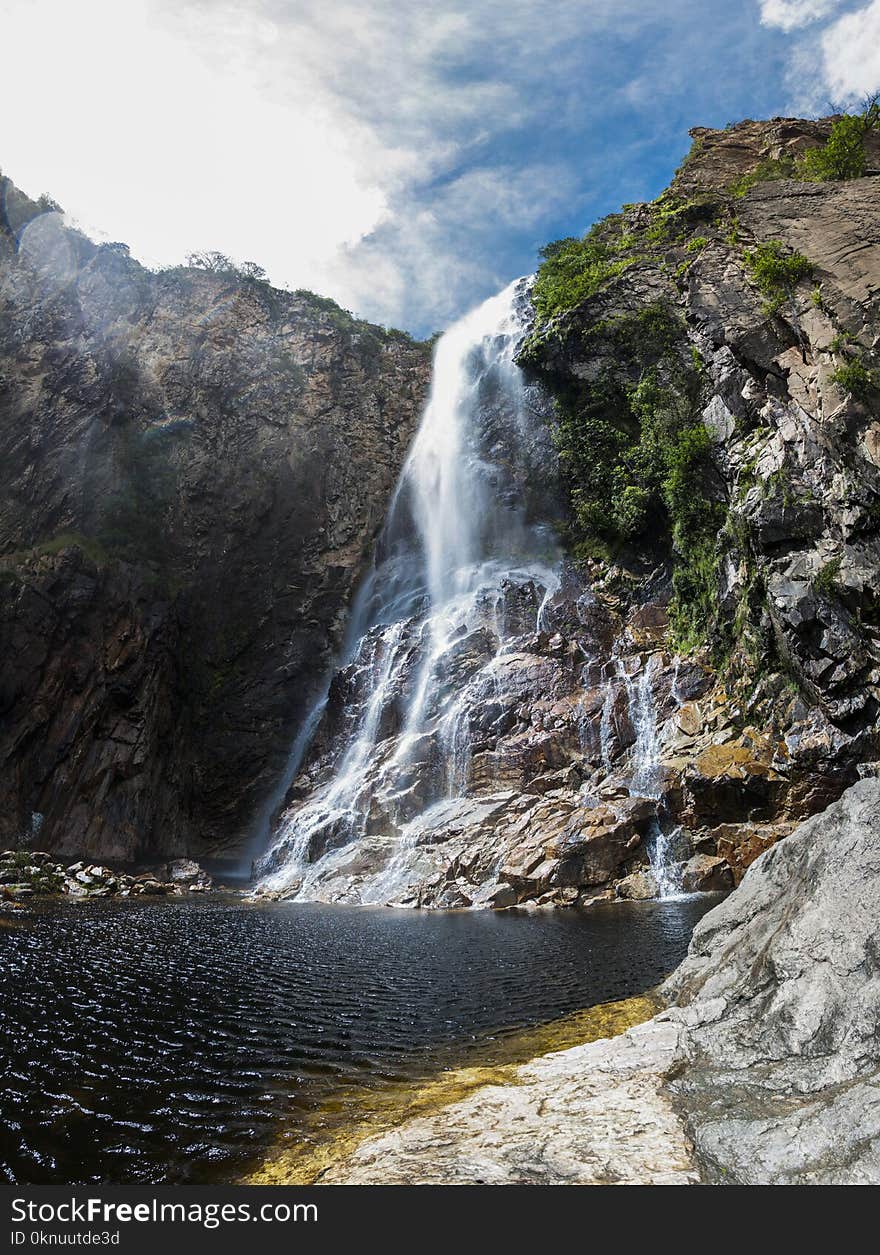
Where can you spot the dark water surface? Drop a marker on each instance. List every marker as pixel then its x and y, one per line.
pixel 169 1040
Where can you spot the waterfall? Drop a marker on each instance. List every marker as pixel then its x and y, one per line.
pixel 605 725
pixel 460 552
pixel 645 781
pixel 646 754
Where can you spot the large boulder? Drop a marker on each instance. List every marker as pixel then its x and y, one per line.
pixel 777 1001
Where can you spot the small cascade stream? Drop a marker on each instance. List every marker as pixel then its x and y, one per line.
pixel 463 565
pixel 644 778
pixel 645 781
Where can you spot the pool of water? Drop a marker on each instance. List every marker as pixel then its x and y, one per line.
pixel 169 1041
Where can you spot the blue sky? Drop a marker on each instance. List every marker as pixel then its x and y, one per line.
pixel 406 158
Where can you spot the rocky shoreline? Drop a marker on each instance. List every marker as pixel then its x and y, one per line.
pixel 764 1068
pixel 26 874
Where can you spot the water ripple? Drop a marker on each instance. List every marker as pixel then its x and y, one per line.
pixel 168 1041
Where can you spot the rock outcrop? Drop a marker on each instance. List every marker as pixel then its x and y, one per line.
pixel 778 1071
pixel 26 874
pixel 193 470
pixel 764 1070
pixel 592 1115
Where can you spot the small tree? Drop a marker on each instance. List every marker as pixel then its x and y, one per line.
pixel 250 270
pixel 211 260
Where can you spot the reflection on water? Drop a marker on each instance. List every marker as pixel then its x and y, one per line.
pixel 170 1041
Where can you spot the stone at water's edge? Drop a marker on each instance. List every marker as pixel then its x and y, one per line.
pixel 592 1115
pixel 26 874
pixel 766 1070
pixel 778 1006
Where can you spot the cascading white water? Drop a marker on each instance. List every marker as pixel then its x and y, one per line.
pixel 646 753
pixel 457 540
pixel 644 778
pixel 646 775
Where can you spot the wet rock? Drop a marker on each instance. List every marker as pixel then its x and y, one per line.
pixel 648 626
pixel 638 886
pixel 704 874
pixel 187 873
pixel 733 781
pixel 740 844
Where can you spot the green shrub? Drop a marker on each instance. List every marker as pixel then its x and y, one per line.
pixel 574 269
pixel 693 610
pixel 764 172
pixel 637 459
pixel 776 272
pixel 842 156
pixel 825 580
pixel 855 378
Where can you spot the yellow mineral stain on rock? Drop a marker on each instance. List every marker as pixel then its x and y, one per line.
pixel 353 1113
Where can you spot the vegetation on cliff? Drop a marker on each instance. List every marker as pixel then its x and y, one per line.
pixel 624 322
pixel 637 457
pixel 842 156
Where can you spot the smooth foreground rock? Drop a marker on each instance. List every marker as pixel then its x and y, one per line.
pixel 779 1000
pixel 592 1115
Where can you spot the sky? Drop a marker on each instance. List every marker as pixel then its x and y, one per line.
pixel 406 157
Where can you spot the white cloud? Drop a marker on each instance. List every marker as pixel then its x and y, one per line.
pixel 835 64
pixel 142 139
pixel 343 145
pixel 790 14
pixel 447 243
pixel 384 152
pixel 851 54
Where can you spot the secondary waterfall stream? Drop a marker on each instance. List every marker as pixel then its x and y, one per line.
pixel 645 776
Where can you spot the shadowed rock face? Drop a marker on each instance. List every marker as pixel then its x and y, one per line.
pixel 194 468
pixel 777 1002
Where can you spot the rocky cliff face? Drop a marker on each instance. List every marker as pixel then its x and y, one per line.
pixel 194 469
pixel 776 1008
pixel 706 672
pixel 762 544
